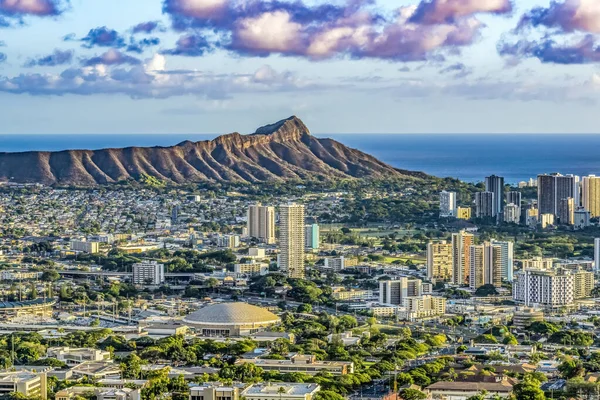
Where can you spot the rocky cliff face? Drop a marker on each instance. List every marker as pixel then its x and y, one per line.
pixel 281 151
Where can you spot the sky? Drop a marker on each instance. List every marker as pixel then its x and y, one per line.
pixel 342 66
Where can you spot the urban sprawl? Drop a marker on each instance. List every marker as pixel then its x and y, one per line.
pixel 416 290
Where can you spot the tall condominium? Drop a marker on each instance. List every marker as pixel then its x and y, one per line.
pixel 582 219
pixel 291 239
pixel 148 273
pixel 484 205
pixel 552 288
pixel 495 184
pixel 512 213
pixel 566 211
pixel 597 254
pixel 485 265
pixel 312 237
pixel 261 223
pixel 461 243
pixel 439 261
pixel 395 291
pixel 507 258
pixel 590 194
pixel 516 199
pixel 448 204
pixel 553 188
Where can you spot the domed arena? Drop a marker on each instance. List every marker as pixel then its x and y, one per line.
pixel 230 319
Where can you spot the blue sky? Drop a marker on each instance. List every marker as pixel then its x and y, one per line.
pixel 349 66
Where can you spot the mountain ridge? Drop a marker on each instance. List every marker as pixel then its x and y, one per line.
pixel 284 150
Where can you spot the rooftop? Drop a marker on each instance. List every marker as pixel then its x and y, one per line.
pixel 231 314
pixel 288 389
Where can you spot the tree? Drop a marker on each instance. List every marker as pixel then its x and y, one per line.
pixel 528 389
pixel 304 308
pixel 327 395
pixel 413 394
pixel 371 321
pixel 50 276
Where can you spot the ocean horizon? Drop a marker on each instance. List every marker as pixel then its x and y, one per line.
pixel 468 157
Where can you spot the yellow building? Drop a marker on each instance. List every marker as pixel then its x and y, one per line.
pixel 591 194
pixel 463 213
pixel 439 261
pixel 461 247
pixel 583 284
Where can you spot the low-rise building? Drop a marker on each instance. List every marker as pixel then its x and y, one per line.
pixel 76 356
pixel 346 295
pixel 212 392
pixel 85 246
pixel 525 316
pixel 281 391
pixel 463 390
pixel 100 393
pixel 251 268
pixel 97 370
pixel 307 364
pixel 24 382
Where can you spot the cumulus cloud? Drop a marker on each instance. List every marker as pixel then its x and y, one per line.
pixel 569 32
pixel 102 37
pixel 111 57
pixel 152 79
pixel 565 15
pixel 148 27
pixel 193 45
pixel 354 29
pixel 58 57
pixel 40 8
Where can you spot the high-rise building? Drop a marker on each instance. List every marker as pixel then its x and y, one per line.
pixel 597 254
pixel 461 256
pixel 566 211
pixel 291 240
pixel 395 291
pixel 175 214
pixel 439 261
pixel 312 237
pixel 486 265
pixel 532 217
pixel 514 198
pixel 484 205
pixel 261 223
pixel 590 194
pixel 507 258
pixel 553 188
pixel 537 263
pixel 495 184
pixel 148 273
pixel 447 204
pixel 463 213
pixel 546 220
pixel 512 213
pixel 552 288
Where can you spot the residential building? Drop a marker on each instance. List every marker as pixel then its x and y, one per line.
pixel 280 391
pixel 461 243
pixel 447 204
pixel 291 240
pixel 484 205
pixel 463 213
pixel 552 188
pixel 350 295
pixel 537 263
pixel 27 383
pixel 251 268
pixel 547 288
pixel 148 273
pixel 307 364
pixel 214 392
pixel 512 213
pixel 261 223
pixel 495 184
pixel 439 261
pixel 485 265
pixel 532 217
pixel 459 390
pixel 76 356
pixel 566 211
pixel 312 237
pixel 228 241
pixel 582 219
pixel 335 263
pixel 546 220
pixel 507 258
pixel 514 198
pixel 583 284
pixel 597 254
pixel 393 292
pixel 85 246
pixel 590 194
pixel 419 307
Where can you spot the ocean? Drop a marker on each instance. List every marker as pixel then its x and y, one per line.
pixel 467 157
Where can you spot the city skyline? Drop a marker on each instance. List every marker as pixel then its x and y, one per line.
pixel 191 66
